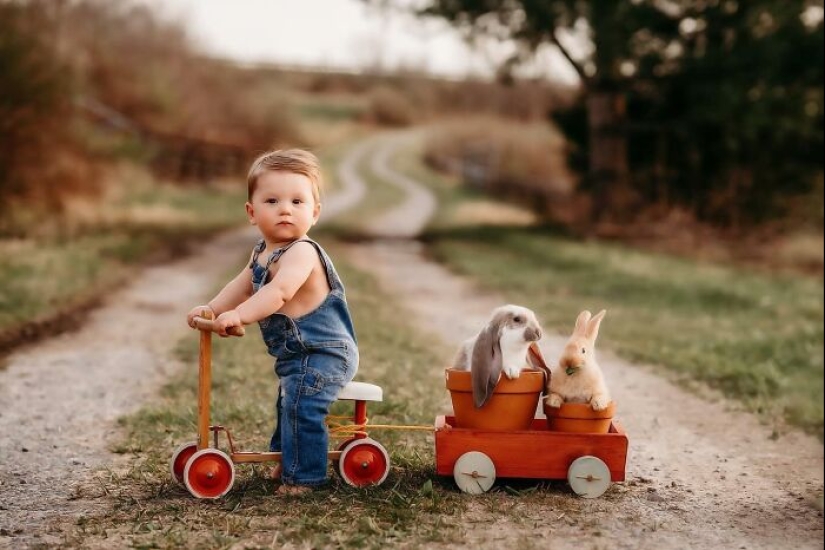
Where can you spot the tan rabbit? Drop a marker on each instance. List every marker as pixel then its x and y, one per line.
pixel 501 346
pixel 577 377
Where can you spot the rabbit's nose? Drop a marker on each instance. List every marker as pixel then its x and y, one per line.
pixel 570 362
pixel 532 334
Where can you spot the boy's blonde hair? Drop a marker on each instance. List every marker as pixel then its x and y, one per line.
pixel 297 161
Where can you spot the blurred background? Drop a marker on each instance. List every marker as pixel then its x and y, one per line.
pixel 669 122
pixel 666 121
pixel 692 127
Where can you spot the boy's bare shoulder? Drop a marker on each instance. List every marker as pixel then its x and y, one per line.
pixel 301 252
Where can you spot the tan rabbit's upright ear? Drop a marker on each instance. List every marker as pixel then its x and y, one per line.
pixel 486 364
pixel 593 325
pixel 581 323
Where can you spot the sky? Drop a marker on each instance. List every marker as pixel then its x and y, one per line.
pixel 341 34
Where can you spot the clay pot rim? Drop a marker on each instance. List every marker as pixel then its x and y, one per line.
pixel 530 381
pixel 579 410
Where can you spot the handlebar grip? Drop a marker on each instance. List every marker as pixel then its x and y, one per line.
pixel 207 324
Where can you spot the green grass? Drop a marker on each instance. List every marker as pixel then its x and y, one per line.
pixel 411 505
pixel 330 110
pixel 40 276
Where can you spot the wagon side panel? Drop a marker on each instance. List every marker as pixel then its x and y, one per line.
pixel 537 454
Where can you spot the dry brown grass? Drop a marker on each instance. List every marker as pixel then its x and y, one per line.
pixel 524 162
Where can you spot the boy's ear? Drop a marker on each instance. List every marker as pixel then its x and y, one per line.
pixel 316 213
pixel 250 213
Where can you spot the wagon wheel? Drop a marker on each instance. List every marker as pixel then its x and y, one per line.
pixel 474 472
pixel 588 476
pixel 364 462
pixel 209 474
pixel 179 459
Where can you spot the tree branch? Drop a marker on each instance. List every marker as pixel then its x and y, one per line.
pixel 579 69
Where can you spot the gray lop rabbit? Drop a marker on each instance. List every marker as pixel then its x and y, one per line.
pixel 501 346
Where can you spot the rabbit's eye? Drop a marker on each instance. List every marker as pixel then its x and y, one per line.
pixel 517 319
pixel 584 350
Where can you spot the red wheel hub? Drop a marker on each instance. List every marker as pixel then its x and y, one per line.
pixel 363 463
pixel 209 474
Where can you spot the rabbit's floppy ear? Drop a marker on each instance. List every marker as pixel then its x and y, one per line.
pixel 581 323
pixel 593 325
pixel 486 363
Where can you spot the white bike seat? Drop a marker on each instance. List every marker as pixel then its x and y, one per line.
pixel 361 391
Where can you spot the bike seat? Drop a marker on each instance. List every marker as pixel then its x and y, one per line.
pixel 361 391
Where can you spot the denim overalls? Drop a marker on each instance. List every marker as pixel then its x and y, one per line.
pixel 316 355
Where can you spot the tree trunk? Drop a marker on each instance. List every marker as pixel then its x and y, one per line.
pixel 607 117
pixel 608 170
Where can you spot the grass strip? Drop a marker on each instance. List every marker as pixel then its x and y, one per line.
pixel 44 280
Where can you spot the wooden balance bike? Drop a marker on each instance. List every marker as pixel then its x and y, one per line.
pixel 209 472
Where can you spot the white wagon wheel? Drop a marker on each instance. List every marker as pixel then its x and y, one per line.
pixel 588 476
pixel 474 472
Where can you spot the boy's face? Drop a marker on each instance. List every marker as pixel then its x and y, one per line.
pixel 283 206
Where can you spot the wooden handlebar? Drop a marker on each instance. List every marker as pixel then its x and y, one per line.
pixel 207 324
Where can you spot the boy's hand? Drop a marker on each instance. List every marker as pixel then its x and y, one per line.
pixel 197 311
pixel 227 319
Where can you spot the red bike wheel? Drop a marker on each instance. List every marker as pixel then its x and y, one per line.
pixel 179 459
pixel 209 474
pixel 364 462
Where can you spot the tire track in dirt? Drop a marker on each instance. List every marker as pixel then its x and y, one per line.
pixel 701 473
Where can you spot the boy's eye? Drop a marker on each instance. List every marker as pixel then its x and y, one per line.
pixel 271 201
pixel 297 201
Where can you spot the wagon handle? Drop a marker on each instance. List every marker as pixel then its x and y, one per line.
pixel 209 325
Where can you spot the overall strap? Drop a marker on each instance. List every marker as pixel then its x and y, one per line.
pixel 278 252
pixel 259 247
pixel 332 276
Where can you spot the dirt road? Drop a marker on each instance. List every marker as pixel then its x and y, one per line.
pixel 696 479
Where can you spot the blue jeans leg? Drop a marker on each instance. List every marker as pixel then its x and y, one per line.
pixel 307 395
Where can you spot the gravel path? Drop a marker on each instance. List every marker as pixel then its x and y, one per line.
pixel 696 478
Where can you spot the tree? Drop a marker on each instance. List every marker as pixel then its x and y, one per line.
pixel 610 26
pixel 709 79
pixel 32 103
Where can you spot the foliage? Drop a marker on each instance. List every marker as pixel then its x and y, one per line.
pixel 35 150
pixel 725 98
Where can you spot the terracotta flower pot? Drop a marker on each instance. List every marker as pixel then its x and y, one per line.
pixel 579 418
pixel 511 407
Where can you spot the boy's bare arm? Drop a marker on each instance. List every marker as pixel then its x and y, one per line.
pixel 295 268
pixel 235 292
